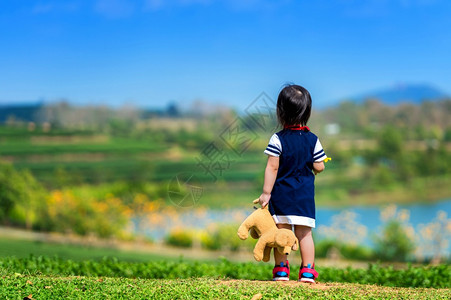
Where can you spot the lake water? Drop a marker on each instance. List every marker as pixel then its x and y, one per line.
pixel 370 215
pixel 414 215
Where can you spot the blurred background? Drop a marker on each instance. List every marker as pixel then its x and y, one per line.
pixel 136 129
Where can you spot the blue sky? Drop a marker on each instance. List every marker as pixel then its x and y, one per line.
pixel 151 52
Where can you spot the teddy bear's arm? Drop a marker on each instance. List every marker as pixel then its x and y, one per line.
pixel 243 230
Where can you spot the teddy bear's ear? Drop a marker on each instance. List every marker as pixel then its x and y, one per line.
pixel 296 244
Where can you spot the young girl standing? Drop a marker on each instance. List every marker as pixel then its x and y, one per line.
pixel 295 156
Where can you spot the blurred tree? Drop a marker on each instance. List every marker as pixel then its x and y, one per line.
pixel 32 202
pixel 406 167
pixel 435 237
pixel 341 158
pixel 21 196
pixel 406 114
pixel 61 177
pixel 390 142
pixel 120 127
pixel 9 190
pixel 173 110
pixel 347 115
pixel 447 135
pixel 382 176
pixel 393 244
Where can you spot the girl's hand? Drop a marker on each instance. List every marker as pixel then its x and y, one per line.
pixel 264 199
pixel 318 167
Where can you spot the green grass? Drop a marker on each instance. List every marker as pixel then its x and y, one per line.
pixel 74 272
pixel 424 277
pixel 23 249
pixel 17 286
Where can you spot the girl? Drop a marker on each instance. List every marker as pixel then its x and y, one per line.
pixel 294 156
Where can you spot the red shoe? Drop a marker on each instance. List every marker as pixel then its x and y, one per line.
pixel 308 274
pixel 282 272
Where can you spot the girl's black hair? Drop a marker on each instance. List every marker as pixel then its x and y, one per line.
pixel 294 105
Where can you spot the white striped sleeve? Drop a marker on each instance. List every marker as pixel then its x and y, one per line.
pixel 274 147
pixel 318 152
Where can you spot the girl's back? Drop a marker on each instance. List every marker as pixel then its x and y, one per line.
pixel 293 194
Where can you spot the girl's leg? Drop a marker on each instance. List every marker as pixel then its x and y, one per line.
pixel 278 258
pixel 304 235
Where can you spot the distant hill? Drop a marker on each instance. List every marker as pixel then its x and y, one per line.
pixel 414 93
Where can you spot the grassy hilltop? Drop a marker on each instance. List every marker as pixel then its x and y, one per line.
pixel 51 278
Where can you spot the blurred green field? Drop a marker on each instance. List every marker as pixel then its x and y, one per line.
pixel 116 146
pixel 113 159
pixel 10 247
pixel 66 158
pixel 115 169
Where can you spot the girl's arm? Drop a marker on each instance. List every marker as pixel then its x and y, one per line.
pixel 318 167
pixel 270 177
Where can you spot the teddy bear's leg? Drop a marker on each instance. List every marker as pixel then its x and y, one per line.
pixel 267 254
pixel 259 249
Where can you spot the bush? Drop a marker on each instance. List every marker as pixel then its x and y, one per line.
pixel 323 247
pixel 224 236
pixel 349 251
pixel 227 236
pixel 67 212
pixel 209 241
pixel 180 238
pixel 357 252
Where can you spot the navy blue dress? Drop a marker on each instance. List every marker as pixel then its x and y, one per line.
pixel 293 195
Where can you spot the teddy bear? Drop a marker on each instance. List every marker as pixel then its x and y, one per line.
pixel 261 226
